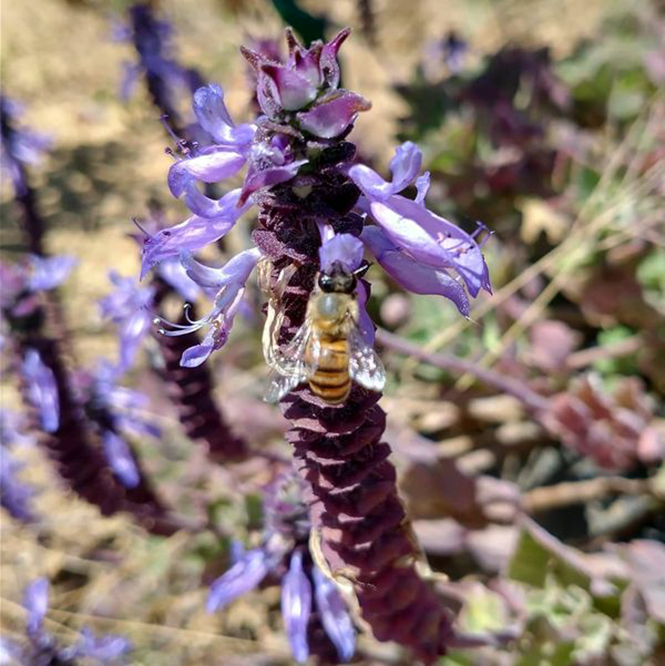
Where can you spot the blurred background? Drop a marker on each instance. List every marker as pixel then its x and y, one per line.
pixel 545 120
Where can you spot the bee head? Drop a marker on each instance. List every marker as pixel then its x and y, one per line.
pixel 337 280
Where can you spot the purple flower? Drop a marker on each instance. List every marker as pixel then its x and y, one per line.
pixel 13 429
pixel 35 599
pixel 226 285
pixel 15 496
pixel 270 164
pixel 425 237
pixel 43 648
pixel 124 407
pixel 196 232
pixel 343 249
pixel 21 282
pixel 333 114
pixel 214 118
pixel 49 273
pixel 18 146
pixel 41 390
pixel 120 459
pixel 241 578
pixel 297 607
pixel 128 307
pixel 412 275
pixel 174 274
pixel 334 615
pixel 103 649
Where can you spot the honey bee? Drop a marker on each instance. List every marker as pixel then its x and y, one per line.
pixel 328 351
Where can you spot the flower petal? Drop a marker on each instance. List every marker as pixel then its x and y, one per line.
pixel 297 607
pixel 204 206
pixel 198 354
pixel 334 615
pixel 412 275
pixel 210 165
pixel 328 61
pixel 432 240
pixel 131 336
pixel 35 599
pixel 294 91
pixel 344 249
pixel 173 272
pixel 105 648
pixel 331 116
pixel 422 185
pixel 267 176
pixel 50 272
pixel 404 166
pixel 42 390
pixel 242 577
pixel 212 114
pixel 235 270
pixel 120 459
pixel 192 234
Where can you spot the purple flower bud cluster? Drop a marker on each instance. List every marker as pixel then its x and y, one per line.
pixel 42 648
pixel 314 613
pixel 316 210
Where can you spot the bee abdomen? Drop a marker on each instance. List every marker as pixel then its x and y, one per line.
pixel 331 380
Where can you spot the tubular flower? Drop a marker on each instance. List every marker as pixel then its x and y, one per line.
pixel 422 236
pixel 128 307
pixel 41 390
pixel 228 286
pixel 319 212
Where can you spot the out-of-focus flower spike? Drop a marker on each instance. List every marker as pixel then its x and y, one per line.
pixel 334 615
pixel 42 390
pixel 297 607
pixel 242 577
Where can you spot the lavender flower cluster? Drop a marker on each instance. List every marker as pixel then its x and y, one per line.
pixel 305 119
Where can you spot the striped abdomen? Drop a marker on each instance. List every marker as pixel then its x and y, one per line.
pixel 331 380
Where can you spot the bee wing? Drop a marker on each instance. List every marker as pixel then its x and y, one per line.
pixel 279 385
pixel 365 366
pixel 292 360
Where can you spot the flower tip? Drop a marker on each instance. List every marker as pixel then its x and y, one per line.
pixel 252 57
